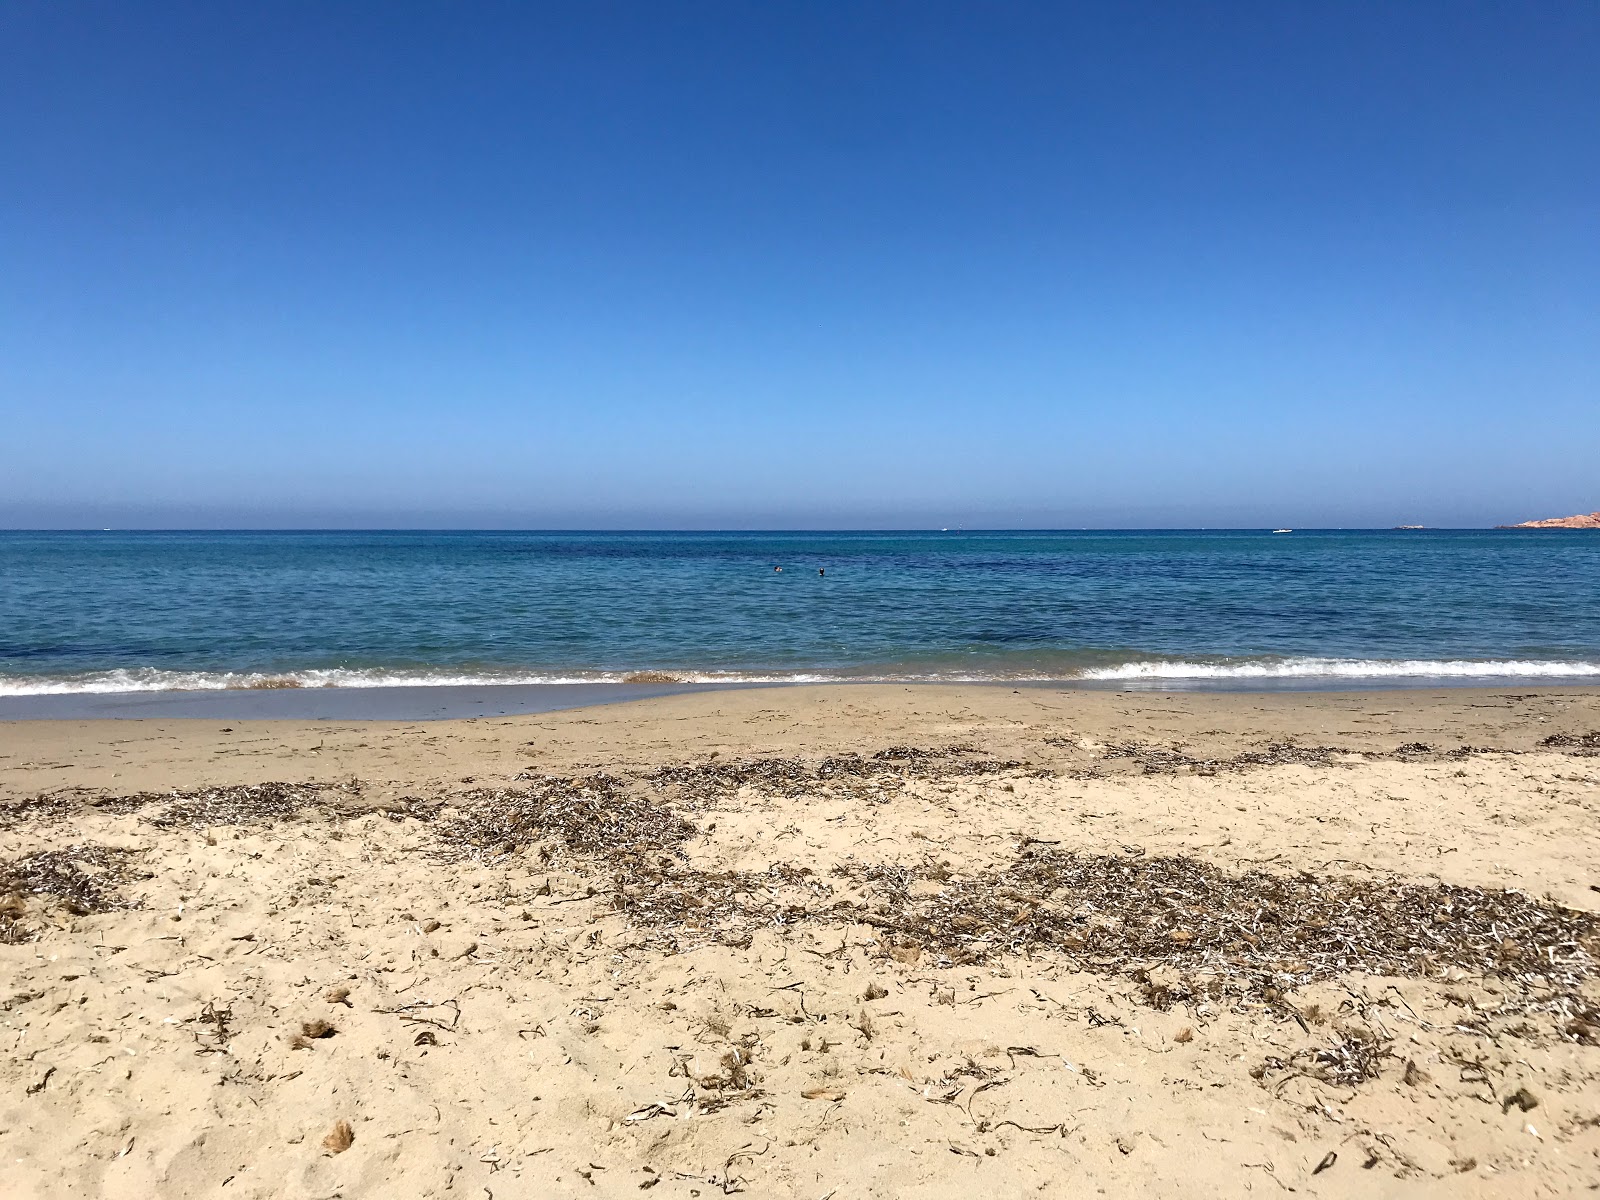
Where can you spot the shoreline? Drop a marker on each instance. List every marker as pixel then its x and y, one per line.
pixel 449 702
pixel 892 940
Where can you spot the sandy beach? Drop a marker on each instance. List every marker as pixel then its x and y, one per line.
pixel 811 942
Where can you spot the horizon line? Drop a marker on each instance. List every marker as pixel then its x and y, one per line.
pixel 778 530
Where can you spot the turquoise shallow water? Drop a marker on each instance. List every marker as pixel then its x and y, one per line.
pixel 109 612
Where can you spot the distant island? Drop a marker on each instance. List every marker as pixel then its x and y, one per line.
pixel 1581 521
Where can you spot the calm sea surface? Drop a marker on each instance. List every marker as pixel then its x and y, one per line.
pixel 109 612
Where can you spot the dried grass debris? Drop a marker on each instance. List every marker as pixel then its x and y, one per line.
pixel 595 816
pixel 1172 760
pixel 340 1138
pixel 715 780
pixel 12 930
pixel 46 806
pixel 677 904
pixel 82 878
pixel 214 1028
pixel 1268 931
pixel 1347 1061
pixel 1158 760
pixel 1583 745
pixel 239 804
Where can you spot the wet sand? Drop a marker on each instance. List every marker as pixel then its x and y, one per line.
pixel 810 941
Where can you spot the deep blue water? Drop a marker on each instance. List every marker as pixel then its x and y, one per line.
pixel 119 611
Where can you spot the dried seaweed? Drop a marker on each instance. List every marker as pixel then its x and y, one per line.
pixel 48 806
pixel 1282 754
pixel 724 906
pixel 1256 934
pixel 121 806
pixel 1156 760
pixel 214 1028
pixel 242 804
pixel 917 754
pixel 595 816
pixel 1161 760
pixel 81 879
pixel 1584 745
pixel 1213 933
pixel 63 804
pixel 1279 930
pixel 714 780
pixel 1347 1061
pixel 12 931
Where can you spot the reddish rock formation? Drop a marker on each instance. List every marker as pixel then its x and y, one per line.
pixel 1581 521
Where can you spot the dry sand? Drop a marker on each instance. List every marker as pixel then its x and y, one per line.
pixel 1092 943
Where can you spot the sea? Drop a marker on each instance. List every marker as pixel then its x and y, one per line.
pixel 147 612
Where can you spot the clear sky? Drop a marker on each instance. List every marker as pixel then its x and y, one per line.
pixel 768 264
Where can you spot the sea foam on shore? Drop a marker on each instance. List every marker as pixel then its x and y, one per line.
pixel 1308 670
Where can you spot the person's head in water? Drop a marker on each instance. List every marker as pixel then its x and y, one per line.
pixel 820 571
pixel 778 569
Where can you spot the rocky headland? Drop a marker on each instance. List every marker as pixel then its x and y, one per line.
pixel 1580 521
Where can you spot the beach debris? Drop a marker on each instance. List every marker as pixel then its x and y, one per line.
pixel 81 879
pixel 712 781
pixel 338 995
pixel 47 806
pixel 1583 745
pixel 340 1138
pixel 906 953
pixel 1174 760
pixel 1521 1099
pixel 216 1027
pixel 649 1111
pixel 240 804
pixel 1256 934
pixel 1217 936
pixel 317 1028
pixel 1266 932
pixel 595 815
pixel 1328 1159
pixel 831 1095
pixel 411 1014
pixel 1159 760
pixel 12 909
pixel 1184 1035
pixel 1347 1061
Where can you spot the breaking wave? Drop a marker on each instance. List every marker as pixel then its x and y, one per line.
pixel 1155 671
pixel 153 680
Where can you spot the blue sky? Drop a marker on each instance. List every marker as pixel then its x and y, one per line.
pixel 816 265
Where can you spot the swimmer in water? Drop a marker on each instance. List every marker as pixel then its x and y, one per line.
pixel 778 570
pixel 820 571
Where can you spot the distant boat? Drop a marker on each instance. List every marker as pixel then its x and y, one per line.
pixel 1410 526
pixel 1283 531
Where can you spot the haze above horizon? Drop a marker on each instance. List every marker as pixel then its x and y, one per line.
pixel 783 266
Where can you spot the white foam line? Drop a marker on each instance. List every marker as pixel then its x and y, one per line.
pixel 1351 668
pixel 152 680
pixel 149 679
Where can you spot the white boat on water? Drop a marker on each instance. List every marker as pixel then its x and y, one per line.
pixel 1283 531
